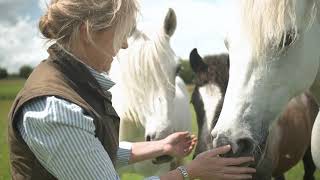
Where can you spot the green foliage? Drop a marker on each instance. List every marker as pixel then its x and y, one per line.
pixel 186 72
pixel 3 73
pixel 25 71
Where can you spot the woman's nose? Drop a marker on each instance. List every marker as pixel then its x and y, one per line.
pixel 124 45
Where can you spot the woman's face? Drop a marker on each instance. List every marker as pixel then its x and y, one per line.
pixel 102 52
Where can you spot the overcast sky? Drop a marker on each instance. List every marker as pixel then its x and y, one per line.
pixel 201 24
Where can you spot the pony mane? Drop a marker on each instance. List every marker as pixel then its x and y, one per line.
pixel 270 22
pixel 146 68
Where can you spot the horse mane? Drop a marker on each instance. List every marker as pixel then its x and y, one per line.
pixel 146 67
pixel 273 20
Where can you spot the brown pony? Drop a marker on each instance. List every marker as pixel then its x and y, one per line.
pixel 289 137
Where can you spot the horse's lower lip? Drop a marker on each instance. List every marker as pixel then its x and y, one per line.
pixel 162 159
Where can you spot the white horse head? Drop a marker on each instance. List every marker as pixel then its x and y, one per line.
pixel 147 90
pixel 274 56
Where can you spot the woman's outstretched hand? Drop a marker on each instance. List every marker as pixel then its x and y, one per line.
pixel 179 144
pixel 209 165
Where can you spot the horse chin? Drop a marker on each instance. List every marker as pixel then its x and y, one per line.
pixel 264 169
pixel 162 159
pixel 263 164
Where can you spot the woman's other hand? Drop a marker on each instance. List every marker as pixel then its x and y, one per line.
pixel 179 144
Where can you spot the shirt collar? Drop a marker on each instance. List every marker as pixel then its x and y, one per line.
pixel 103 79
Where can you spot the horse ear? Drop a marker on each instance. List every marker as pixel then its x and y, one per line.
pixel 170 22
pixel 196 62
pixel 226 44
pixel 228 60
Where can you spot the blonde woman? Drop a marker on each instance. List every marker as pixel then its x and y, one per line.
pixel 62 123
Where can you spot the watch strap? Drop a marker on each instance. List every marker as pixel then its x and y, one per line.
pixel 184 172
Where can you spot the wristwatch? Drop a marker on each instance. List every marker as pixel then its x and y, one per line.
pixel 184 172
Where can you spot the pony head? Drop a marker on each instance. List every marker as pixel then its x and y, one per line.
pixel 146 75
pixel 274 55
pixel 211 80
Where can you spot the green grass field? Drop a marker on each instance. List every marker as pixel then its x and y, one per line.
pixel 8 90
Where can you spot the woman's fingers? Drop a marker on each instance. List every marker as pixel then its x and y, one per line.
pixel 219 150
pixel 190 143
pixel 189 147
pixel 181 135
pixel 236 161
pixel 193 136
pixel 186 136
pixel 238 170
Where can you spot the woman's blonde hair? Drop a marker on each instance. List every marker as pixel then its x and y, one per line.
pixel 63 19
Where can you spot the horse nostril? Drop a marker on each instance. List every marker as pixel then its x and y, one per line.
pixel 222 140
pixel 240 147
pixel 151 137
pixel 245 146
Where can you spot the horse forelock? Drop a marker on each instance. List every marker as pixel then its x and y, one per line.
pixel 147 68
pixel 269 22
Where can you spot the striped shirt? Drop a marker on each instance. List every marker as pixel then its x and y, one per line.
pixel 63 138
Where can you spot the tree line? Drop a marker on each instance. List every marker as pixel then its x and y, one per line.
pixel 185 72
pixel 24 72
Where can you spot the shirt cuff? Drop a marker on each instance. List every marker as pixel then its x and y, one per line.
pixel 123 154
pixel 152 178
